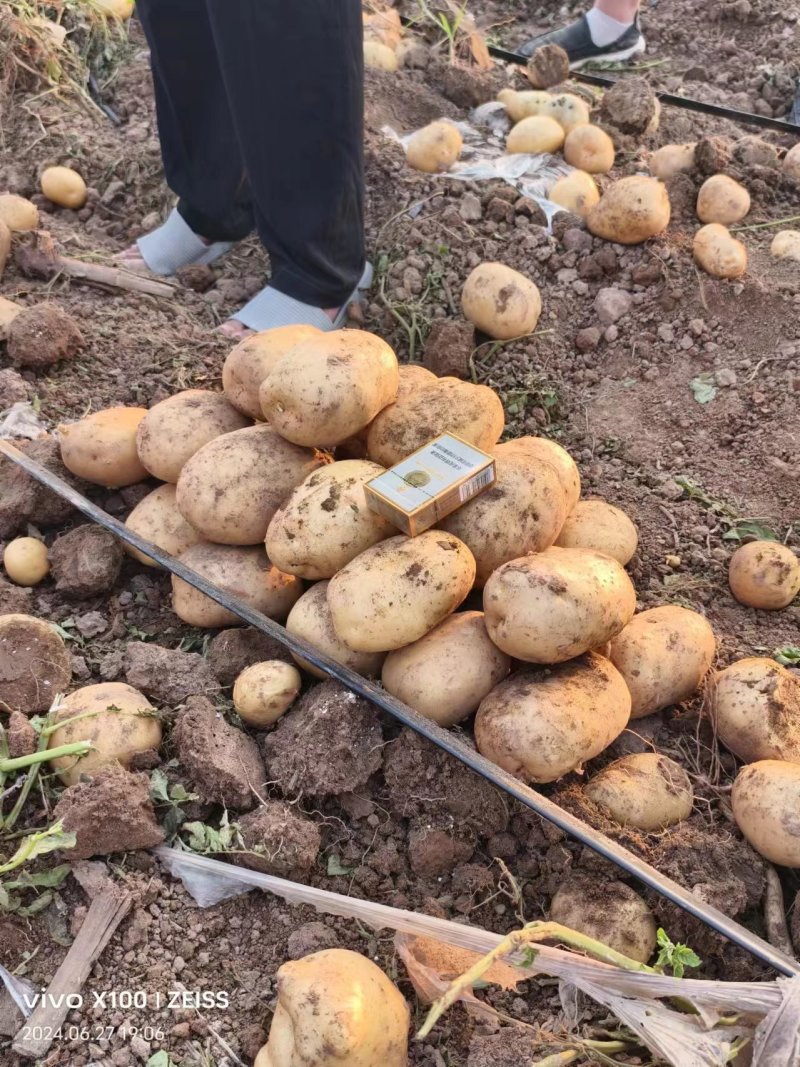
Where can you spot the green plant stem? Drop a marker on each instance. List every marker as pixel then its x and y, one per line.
pixel 765 225
pixel 76 748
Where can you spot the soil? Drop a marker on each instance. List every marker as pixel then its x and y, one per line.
pixel 373 811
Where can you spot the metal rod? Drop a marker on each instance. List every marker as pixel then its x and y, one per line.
pixel 448 742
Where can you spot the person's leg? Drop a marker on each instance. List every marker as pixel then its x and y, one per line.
pixel 608 31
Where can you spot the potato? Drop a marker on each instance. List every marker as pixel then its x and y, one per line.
pixel 535 134
pixel 601 527
pixel 472 412
pixel 18 213
pixel 384 26
pixel 723 200
pixel 413 376
pixel 549 607
pixel 500 301
pixel 174 429
pixel 264 691
pixel 244 572
pixel 540 725
pixel 434 148
pixel 326 521
pixel 646 790
pixel 754 707
pixel 520 105
pixel 310 618
pixel 718 253
pixel 764 574
pixel 101 448
pixel 785 245
pixel 63 186
pixel 558 457
pixel 663 654
pixel 522 512
pixel 8 309
pixel 765 800
pixel 399 589
pixel 610 912
pixel 447 673
pixel 5 252
pixel 589 149
pixel 157 519
pixel 230 489
pixel 631 211
pixel 248 364
pixel 118 9
pixel 25 560
pixel 34 664
pixel 329 387
pixel 791 162
pixel 576 192
pixel 568 110
pixel 336 1008
pixel 118 720
pixel 670 160
pixel 379 56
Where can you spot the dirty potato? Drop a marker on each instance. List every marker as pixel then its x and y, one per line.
pixel 500 301
pixel 310 618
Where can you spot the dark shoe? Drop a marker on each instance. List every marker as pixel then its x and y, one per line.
pixel 576 40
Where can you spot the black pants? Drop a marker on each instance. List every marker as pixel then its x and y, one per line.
pixel 260 116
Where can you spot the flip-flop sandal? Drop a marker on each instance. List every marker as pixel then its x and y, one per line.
pixel 174 245
pixel 270 308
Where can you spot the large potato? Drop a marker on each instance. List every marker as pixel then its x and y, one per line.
pixel 413 376
pixel 500 301
pixel 329 387
pixel 326 521
pixel 472 412
pixel 663 654
pixel 672 159
pixel 434 148
pixel 549 607
pixel 723 200
pixel 545 449
pixel 754 708
pixel 230 489
pixel 568 110
pixel 447 673
pixel 249 363
pixel 718 252
pixel 101 448
pixel 766 801
pixel 245 572
pixel 540 725
pixel 157 519
pixel 34 664
pixel 764 574
pixel 63 186
pixel 520 105
pixel 601 527
pixel 522 512
pixel 645 790
pixel 18 213
pixel 535 134
pixel 310 618
pixel 610 912
pixel 399 589
pixel 589 149
pixel 576 192
pixel 631 211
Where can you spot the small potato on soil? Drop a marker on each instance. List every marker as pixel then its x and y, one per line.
pixel 764 574
pixel 766 801
pixel 576 192
pixel 101 448
pixel 786 245
pixel 535 134
pixel 25 560
pixel 599 526
pixel 434 148
pixel 63 186
pixel 646 790
pixel 631 211
pixel 609 912
pixel 542 448
pixel 754 707
pixel 157 519
pixel 264 691
pixel 248 364
pixel 718 252
pixel 42 335
pixel 18 213
pixel 34 664
pixel 379 56
pixel 310 618
pixel 722 200
pixel 589 149
pixel 85 562
pixel 672 159
pixel 500 301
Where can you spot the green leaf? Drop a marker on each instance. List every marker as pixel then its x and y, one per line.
pixel 39 904
pixel 676 956
pixel 43 879
pixel 789 655
pixel 336 867
pixel 159 787
pixel 179 795
pixel 5 898
pixel 703 388
pixel 160 1059
pixel 746 529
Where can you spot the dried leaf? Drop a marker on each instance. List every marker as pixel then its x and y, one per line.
pixel 777 1038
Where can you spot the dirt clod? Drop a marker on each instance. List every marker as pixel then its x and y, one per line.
pixel 85 562
pixel 630 106
pixel 167 676
pixel 548 66
pixel 196 276
pixel 508 1048
pixel 23 499
pixel 42 335
pixel 712 155
pixel 311 937
pixel 13 388
pixel 21 736
pixel 14 599
pixel 449 348
pixel 34 664
pixel 279 841
pixel 434 851
pixel 233 650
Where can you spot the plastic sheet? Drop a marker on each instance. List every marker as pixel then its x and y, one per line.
pixel 21 420
pixel 21 991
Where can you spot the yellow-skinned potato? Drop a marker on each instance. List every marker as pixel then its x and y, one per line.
pixel 500 301
pixel 589 149
pixel 754 707
pixel 765 801
pixel 157 519
pixel 399 589
pixel 764 574
pixel 264 691
pixel 535 134
pixel 63 186
pixel 25 560
pixel 568 110
pixel 785 245
pixel 610 912
pixel 434 148
pixel 8 309
pixel 718 252
pixel 670 160
pixel 472 412
pixel 310 618
pixel 174 429
pixel 791 162
pixel 5 252
pixel 631 211
pixel 645 790
pixel 119 721
pixel 520 105
pixel 245 572
pixel 230 489
pixel 251 361
pixel 576 192
pixel 18 213
pixel 336 1008
pixel 447 673
pixel 413 377
pixel 384 26
pixel 663 654
pixel 326 521
pixel 101 448
pixel 118 9
pixel 379 56
pixel 723 200
pixel 34 664
pixel 554 605
pixel 601 527
pixel 545 449
pixel 330 387
pixel 540 725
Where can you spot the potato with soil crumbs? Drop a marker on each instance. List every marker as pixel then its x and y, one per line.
pixel 398 590
pixel 663 654
pixel 785 245
pixel 723 200
pixel 589 149
pixel 413 376
pixel 609 912
pixel 551 606
pixel 25 560
pixel 310 618
pixel 434 148
pixel 101 448
pixel 329 387
pixel 326 521
pixel 248 364
pixel 379 56
pixel 646 790
pixel 764 574
pixel 34 664
pixel 157 519
pixel 118 720
pixel 601 527
pixel 535 134
pixel 264 691
pixel 542 724
pixel 576 192
pixel 544 449
pixel 631 211
pixel 174 429
pixel 568 110
pixel 500 301
pixel 447 673
pixel 336 1008
pixel 718 252
pixel 672 159
pixel 18 213
pixel 230 489
pixel 754 707
pixel 63 186
pixel 766 805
